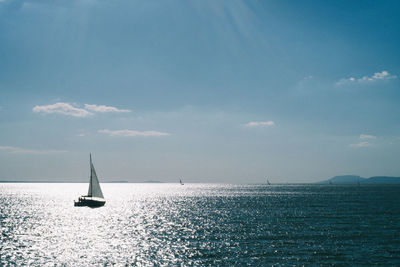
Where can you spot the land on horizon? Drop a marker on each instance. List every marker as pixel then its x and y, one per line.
pixel 355 179
pixel 341 179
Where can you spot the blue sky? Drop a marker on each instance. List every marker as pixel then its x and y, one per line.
pixel 211 91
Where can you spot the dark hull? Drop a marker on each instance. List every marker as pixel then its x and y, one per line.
pixel 89 203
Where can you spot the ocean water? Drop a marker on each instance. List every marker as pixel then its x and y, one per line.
pixel 201 224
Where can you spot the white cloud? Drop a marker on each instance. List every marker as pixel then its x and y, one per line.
pixel 260 123
pixel 361 144
pixel 377 76
pixel 62 108
pixel 72 110
pixel 366 136
pixel 13 149
pixel 103 108
pixel 132 133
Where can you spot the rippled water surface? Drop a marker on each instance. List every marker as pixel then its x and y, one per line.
pixel 200 224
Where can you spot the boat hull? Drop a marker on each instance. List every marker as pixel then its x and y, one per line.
pixel 92 203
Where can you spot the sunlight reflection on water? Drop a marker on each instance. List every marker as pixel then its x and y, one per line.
pixel 170 224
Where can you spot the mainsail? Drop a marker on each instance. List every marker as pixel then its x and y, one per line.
pixel 94 186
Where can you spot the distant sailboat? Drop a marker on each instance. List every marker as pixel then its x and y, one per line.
pixel 180 181
pixel 268 181
pixel 95 197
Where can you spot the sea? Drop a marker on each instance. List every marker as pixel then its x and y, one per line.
pixel 200 225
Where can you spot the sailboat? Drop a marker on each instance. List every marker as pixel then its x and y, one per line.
pixel 268 181
pixel 180 181
pixel 94 197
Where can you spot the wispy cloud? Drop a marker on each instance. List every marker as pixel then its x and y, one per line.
pixel 103 108
pixel 377 76
pixel 75 111
pixel 132 133
pixel 367 136
pixel 361 144
pixel 13 149
pixel 62 108
pixel 260 123
pixel 363 140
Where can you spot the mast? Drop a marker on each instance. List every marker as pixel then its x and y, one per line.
pixel 91 178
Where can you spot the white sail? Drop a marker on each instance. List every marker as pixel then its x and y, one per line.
pixel 94 186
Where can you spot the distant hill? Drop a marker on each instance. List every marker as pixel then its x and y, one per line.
pixel 354 179
pixel 343 179
pixel 383 180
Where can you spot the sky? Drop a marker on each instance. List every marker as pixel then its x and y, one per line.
pixel 207 91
